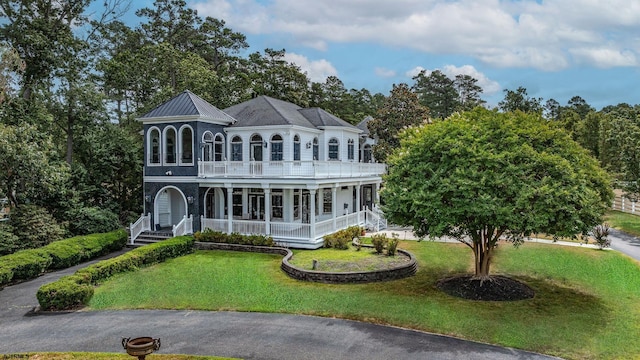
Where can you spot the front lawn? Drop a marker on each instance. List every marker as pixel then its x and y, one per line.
pixel 626 222
pixel 587 303
pixel 103 356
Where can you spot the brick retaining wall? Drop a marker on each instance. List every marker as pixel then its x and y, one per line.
pixel 401 272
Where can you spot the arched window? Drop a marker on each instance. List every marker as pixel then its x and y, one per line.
pixel 367 154
pixel 350 149
pixel 207 146
pixel 218 148
pixel 296 148
pixel 334 149
pixel 256 147
pixel 276 148
pixel 170 145
pixel 316 149
pixel 153 147
pixel 236 148
pixel 186 145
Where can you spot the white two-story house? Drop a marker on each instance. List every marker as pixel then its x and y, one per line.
pixel 264 166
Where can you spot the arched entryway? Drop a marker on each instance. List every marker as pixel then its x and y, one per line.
pixel 170 207
pixel 214 204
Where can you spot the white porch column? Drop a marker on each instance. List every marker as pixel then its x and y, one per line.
pixel 229 208
pixel 267 210
pixel 376 195
pixel 312 213
pixel 358 207
pixel 334 205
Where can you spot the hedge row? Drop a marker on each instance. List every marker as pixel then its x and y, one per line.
pixel 28 264
pixel 76 290
pixel 209 235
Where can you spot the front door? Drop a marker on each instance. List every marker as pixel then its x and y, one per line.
pixel 256 205
pixel 256 152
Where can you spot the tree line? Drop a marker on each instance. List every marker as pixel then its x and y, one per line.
pixel 72 82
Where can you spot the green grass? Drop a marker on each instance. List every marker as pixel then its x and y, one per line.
pixel 628 223
pixel 587 303
pixel 100 356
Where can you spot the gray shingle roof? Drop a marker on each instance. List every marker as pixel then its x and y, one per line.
pixel 188 104
pixel 362 125
pixel 320 118
pixel 267 111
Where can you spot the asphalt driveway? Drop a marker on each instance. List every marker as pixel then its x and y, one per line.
pixel 231 334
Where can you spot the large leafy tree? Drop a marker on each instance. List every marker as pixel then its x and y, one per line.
pixel 483 176
pixel 401 109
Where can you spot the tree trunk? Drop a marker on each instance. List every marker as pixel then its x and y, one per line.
pixel 482 252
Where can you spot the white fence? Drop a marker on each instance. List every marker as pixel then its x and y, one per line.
pixel 623 204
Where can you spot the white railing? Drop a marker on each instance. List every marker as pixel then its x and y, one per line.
pixel 291 230
pixel 184 227
pixel 141 225
pixel 311 169
pixel 375 219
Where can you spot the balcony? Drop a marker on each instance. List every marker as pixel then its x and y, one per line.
pixel 288 169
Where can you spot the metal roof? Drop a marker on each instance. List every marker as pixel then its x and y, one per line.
pixel 188 104
pixel 363 125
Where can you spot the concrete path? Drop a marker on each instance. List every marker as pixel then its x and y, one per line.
pixel 625 243
pixel 239 335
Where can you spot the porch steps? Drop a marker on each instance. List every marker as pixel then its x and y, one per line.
pixel 150 237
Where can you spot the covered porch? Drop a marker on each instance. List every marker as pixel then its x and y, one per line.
pixel 294 215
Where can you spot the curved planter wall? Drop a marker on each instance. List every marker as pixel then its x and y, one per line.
pixel 401 272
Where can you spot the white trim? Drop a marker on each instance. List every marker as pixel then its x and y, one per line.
pixel 149 148
pixel 183 118
pixel 175 145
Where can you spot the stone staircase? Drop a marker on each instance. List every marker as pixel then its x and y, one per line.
pixel 150 237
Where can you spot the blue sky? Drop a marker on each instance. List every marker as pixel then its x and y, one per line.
pixel 556 49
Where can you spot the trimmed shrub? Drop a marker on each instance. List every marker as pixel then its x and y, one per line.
pixel 34 226
pixel 28 264
pixel 212 236
pixel 76 290
pixel 92 220
pixel 64 294
pixel 379 242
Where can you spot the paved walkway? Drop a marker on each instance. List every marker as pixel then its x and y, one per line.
pixel 239 335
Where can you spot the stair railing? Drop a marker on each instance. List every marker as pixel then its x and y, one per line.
pixel 185 226
pixel 141 225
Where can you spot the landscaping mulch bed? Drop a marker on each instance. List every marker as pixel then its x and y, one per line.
pixel 373 263
pixel 497 288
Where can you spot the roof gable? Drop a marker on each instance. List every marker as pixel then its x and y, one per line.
pixel 267 111
pixel 321 118
pixel 364 125
pixel 187 104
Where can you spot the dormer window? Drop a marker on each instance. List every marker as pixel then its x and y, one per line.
pixel 334 149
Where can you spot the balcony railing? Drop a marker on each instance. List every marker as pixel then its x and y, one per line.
pixel 294 169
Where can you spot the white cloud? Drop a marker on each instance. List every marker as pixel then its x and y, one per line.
pixel 317 70
pixel 488 86
pixel 385 73
pixel 549 35
pixel 415 71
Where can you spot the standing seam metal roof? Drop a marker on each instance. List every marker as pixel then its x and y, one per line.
pixel 188 104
